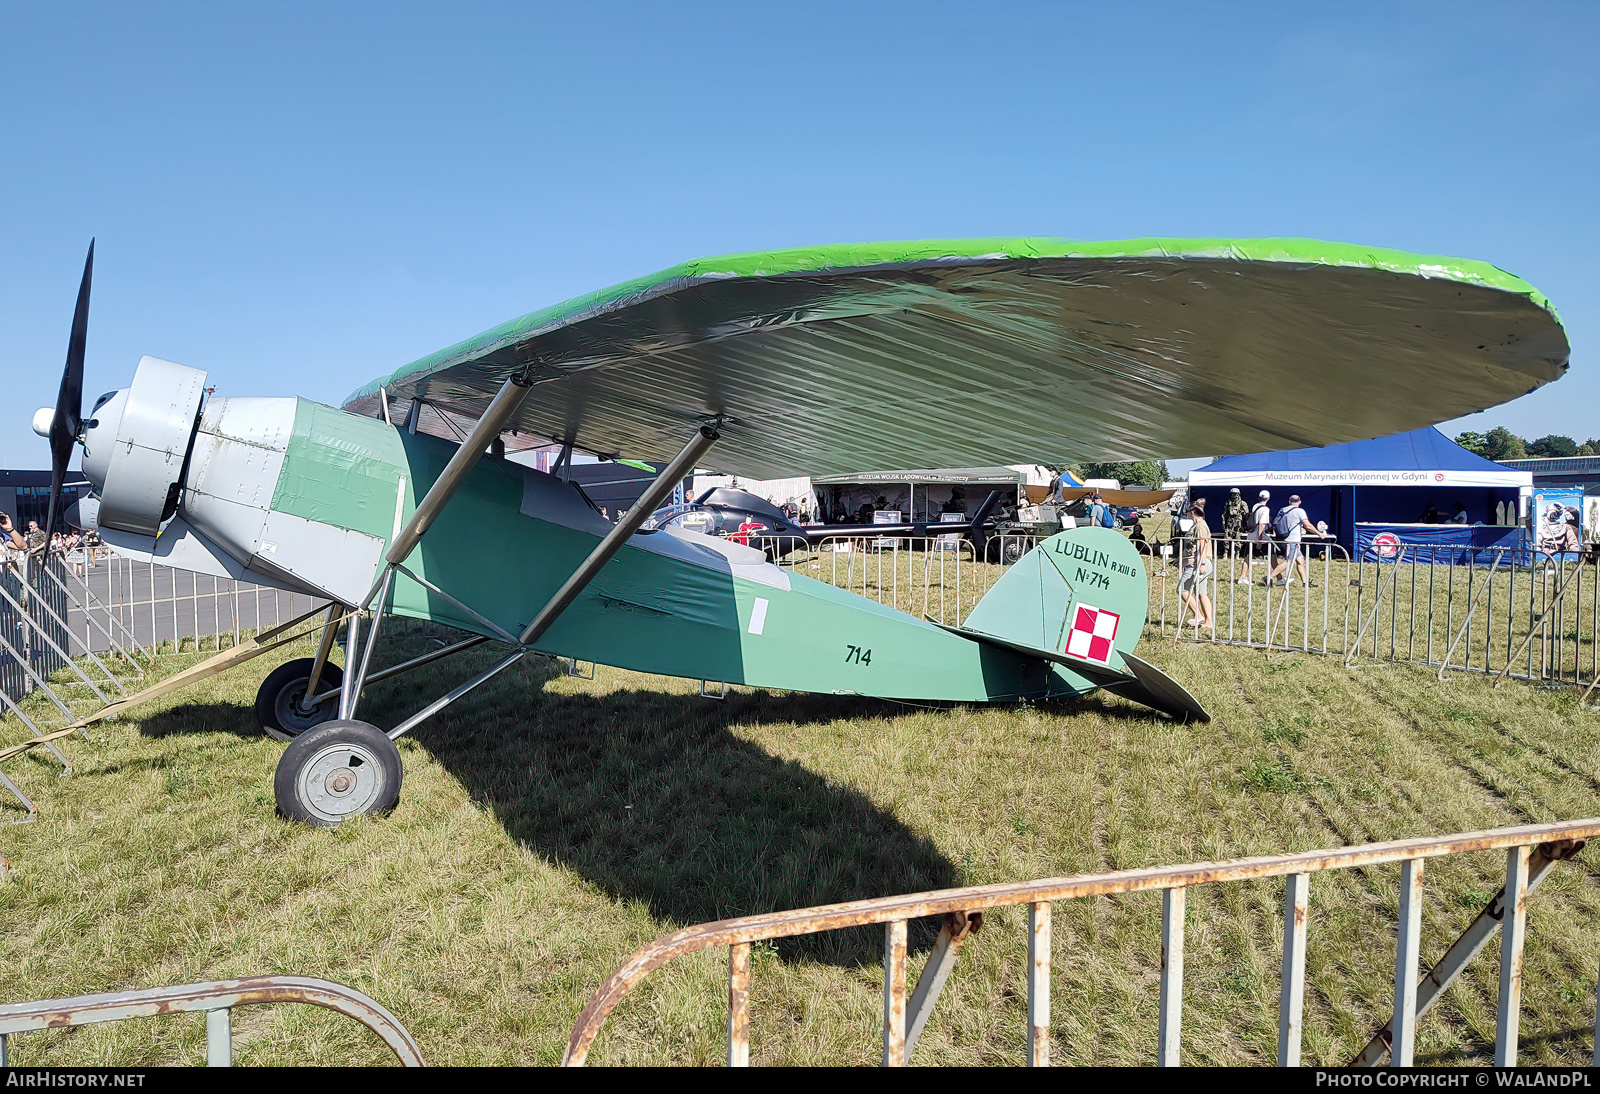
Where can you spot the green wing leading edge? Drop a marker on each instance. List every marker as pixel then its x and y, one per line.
pixel 956 353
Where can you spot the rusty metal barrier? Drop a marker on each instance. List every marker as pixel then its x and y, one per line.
pixel 1531 852
pixel 216 999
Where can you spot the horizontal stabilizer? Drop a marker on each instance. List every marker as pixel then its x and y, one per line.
pixel 1154 688
pixel 1141 681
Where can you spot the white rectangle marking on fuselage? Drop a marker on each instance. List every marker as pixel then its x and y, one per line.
pixel 399 502
pixel 758 616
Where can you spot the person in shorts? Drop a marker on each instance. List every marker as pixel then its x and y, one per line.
pixel 1258 540
pixel 1293 523
pixel 1194 579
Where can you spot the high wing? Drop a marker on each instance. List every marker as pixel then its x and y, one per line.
pixel 965 352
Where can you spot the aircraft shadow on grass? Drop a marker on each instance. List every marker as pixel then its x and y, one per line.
pixel 655 797
pixel 235 719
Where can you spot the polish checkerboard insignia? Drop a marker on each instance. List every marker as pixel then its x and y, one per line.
pixel 1092 634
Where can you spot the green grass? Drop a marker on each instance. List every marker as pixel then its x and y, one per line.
pixel 549 826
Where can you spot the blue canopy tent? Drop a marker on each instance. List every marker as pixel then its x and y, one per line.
pixel 1365 489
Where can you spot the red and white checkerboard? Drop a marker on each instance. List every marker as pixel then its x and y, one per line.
pixel 1093 631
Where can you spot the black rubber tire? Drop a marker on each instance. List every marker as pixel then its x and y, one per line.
pixel 338 770
pixel 281 691
pixel 1013 550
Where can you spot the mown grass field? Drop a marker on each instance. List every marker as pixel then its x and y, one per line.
pixel 550 825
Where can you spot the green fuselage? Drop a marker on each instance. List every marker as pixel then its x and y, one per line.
pixel 679 604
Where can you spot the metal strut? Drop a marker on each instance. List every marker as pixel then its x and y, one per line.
pixel 466 457
pixel 505 404
pixel 405 666
pixel 351 693
pixel 320 661
pixel 698 446
pixel 488 427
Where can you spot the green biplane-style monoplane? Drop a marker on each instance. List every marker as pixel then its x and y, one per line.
pixel 816 361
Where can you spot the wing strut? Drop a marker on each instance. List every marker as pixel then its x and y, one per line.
pixel 500 411
pixel 505 404
pixel 488 428
pixel 684 461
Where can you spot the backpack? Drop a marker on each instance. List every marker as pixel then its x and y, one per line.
pixel 1281 523
pixel 1108 519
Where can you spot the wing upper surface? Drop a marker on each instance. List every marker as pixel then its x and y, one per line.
pixel 830 359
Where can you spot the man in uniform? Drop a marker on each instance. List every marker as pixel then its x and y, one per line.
pixel 1234 515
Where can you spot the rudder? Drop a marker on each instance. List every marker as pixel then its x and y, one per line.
pixel 1083 592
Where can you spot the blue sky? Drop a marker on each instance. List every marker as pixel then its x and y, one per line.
pixel 300 197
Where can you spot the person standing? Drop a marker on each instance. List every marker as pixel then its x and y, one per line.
pixel 1097 512
pixel 9 536
pixel 1195 576
pixel 1234 515
pixel 1259 541
pixel 1292 523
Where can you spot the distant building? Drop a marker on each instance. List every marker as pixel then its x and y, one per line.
pixel 1576 473
pixel 26 495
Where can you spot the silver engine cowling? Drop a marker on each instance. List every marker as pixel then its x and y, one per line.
pixel 136 445
pixel 185 481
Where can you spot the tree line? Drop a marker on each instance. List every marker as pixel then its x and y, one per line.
pixel 1151 473
pixel 1502 444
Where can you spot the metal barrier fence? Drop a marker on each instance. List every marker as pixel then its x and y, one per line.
pixel 33 640
pixel 143 605
pixel 216 999
pixel 1503 611
pixel 1531 852
pixel 931 577
pixel 75 628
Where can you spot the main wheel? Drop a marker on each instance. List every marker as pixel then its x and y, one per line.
pixel 336 771
pixel 278 703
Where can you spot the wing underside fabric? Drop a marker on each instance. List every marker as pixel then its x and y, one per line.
pixel 969 352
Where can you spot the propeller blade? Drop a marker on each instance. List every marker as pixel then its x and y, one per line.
pixel 67 423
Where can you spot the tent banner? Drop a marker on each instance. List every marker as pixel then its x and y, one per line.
pixel 1453 544
pixel 1343 477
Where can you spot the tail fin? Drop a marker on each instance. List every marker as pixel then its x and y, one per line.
pixel 1082 592
pixel 1079 600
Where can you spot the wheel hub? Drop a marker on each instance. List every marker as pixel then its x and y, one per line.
pixel 341 780
pixel 295 712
